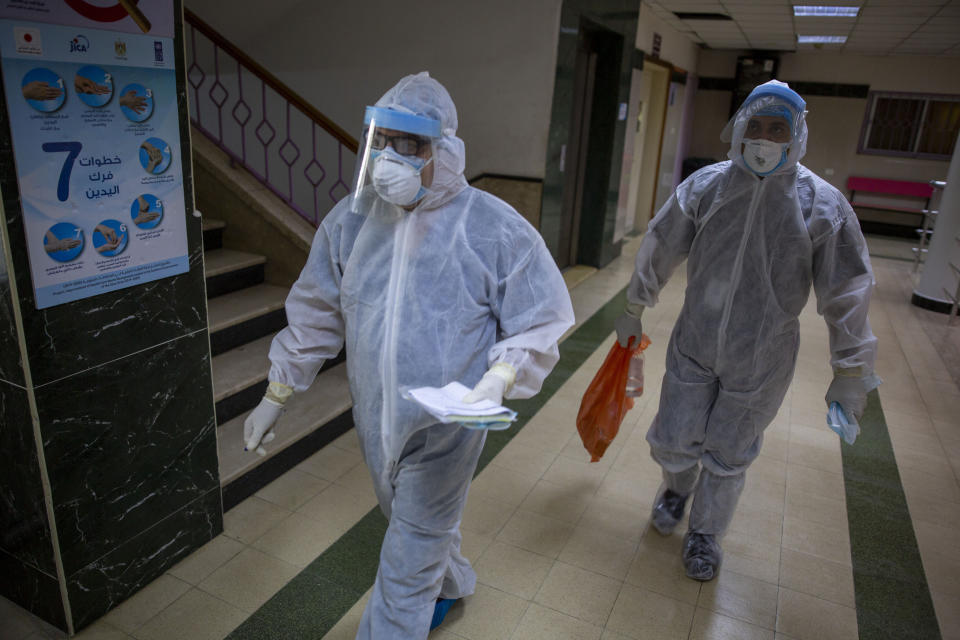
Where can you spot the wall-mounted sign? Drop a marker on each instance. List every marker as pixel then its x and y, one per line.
pixel 91 95
pixel 655 50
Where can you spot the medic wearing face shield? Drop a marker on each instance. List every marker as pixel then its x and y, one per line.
pixel 426 281
pixel 756 231
pixel 398 154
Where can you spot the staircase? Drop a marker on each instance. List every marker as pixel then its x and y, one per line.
pixel 245 313
pixel 267 168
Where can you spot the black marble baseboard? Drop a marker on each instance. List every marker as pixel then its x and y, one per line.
pixel 262 475
pixel 234 280
pixel 10 365
pixel 34 590
pixel 127 444
pixel 102 585
pixel 244 332
pixel 24 527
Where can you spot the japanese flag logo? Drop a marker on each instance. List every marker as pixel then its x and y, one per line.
pixel 28 41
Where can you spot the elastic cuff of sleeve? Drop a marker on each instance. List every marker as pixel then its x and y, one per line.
pixel 278 393
pixel 505 372
pixel 635 310
pixel 852 372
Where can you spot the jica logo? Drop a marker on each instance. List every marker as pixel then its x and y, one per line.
pixel 79 44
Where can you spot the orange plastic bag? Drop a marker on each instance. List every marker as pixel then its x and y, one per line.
pixel 605 401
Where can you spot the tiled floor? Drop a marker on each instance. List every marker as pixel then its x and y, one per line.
pixel 562 547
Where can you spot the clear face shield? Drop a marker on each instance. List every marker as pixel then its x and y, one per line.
pixel 396 149
pixel 768 132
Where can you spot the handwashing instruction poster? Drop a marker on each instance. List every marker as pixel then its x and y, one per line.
pixel 91 94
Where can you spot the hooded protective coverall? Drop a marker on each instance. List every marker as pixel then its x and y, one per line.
pixel 422 298
pixel 753 248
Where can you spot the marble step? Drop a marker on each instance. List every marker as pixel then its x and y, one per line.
pixel 227 270
pixel 240 377
pixel 311 420
pixel 243 316
pixel 239 368
pixel 213 233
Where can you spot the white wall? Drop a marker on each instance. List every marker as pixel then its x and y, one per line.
pixel 834 123
pixel 675 48
pixel 496 58
pixel 680 52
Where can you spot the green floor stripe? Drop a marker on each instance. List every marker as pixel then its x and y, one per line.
pixel 312 603
pixel 892 596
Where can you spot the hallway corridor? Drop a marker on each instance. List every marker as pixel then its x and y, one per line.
pixel 828 542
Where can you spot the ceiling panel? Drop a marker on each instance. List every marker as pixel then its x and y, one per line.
pixel 883 26
pixel 887 40
pixel 773 25
pixel 912 3
pixel 952 28
pixel 759 9
pixel 870 11
pixel 891 20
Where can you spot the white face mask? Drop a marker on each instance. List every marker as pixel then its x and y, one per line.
pixel 396 178
pixel 764 156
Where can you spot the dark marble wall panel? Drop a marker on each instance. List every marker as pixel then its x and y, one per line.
pixel 127 444
pixel 10 368
pixel 24 529
pixel 621 17
pixel 34 590
pixel 98 587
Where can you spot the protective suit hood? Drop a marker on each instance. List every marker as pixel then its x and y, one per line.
pixel 423 96
pixel 773 97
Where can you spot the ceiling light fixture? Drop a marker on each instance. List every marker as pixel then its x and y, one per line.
pixel 825 11
pixel 821 39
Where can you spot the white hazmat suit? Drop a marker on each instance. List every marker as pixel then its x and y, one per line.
pixel 422 297
pixel 753 248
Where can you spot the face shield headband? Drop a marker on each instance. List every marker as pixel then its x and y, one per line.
pixel 380 118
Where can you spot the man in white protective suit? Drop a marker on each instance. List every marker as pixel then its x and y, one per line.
pixel 427 281
pixel 756 231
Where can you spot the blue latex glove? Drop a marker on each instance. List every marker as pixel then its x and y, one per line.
pixel 838 421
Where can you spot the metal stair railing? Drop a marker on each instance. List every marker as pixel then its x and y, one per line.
pixel 310 167
pixel 929 219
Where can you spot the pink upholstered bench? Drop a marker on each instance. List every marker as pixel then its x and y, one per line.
pixel 889 195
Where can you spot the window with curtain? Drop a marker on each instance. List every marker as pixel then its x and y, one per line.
pixel 911 124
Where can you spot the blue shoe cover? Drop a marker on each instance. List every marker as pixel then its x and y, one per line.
pixel 440 611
